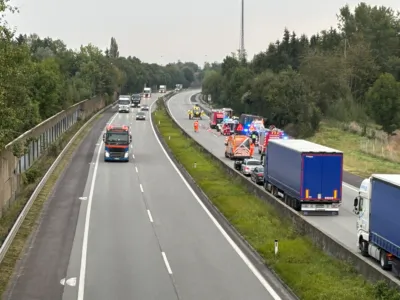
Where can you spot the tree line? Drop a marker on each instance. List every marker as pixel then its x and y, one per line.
pixel 39 77
pixel 350 73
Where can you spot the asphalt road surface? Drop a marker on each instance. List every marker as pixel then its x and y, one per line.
pixel 341 227
pixel 138 232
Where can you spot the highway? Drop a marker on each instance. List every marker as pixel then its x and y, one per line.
pixel 133 230
pixel 341 227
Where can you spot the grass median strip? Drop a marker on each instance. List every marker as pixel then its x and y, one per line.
pixel 30 223
pixel 309 272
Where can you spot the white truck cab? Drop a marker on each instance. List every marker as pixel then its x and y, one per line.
pixel 124 103
pixel 361 208
pixel 162 89
pixel 147 92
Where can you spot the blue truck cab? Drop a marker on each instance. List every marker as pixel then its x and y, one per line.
pixel 117 140
pixel 377 206
pixel 305 175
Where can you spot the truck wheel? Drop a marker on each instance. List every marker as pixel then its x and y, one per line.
pixel 226 154
pixel 363 245
pixel 384 261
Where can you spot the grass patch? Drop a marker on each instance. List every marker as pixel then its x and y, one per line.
pixel 310 273
pixel 357 158
pixel 37 171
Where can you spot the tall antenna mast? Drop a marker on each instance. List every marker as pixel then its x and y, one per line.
pixel 241 47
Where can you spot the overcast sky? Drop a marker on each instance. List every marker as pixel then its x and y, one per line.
pixel 164 31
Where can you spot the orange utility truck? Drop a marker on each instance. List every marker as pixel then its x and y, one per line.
pixel 237 149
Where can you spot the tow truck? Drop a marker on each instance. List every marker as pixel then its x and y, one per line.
pixel 116 143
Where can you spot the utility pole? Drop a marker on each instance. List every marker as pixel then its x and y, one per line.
pixel 242 51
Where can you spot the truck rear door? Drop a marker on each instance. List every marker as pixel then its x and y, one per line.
pixel 331 176
pixel 311 186
pixel 322 175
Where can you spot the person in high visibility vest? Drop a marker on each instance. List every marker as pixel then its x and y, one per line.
pixel 254 137
pixel 251 149
pixel 196 126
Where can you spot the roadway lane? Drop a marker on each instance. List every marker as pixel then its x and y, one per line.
pixel 148 237
pixel 46 256
pixel 341 227
pixel 116 254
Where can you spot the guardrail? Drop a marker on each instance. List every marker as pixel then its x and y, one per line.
pixel 53 127
pixel 320 239
pixel 20 154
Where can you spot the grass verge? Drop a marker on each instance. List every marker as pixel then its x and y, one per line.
pixel 356 160
pixel 40 167
pixel 310 273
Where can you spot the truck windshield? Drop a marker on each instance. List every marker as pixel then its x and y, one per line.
pixel 124 102
pixel 219 120
pixel 253 163
pixel 121 138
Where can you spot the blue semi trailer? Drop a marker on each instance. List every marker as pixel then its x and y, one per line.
pixel 305 175
pixel 378 224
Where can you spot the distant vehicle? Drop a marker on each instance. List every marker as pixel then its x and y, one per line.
pixel 257 175
pixel 135 100
pixel 378 220
pixel 178 87
pixel 140 116
pixel 306 176
pixel 124 103
pixel 147 92
pixel 162 89
pixel 246 120
pixel 217 116
pixel 116 143
pixel 144 107
pixel 249 165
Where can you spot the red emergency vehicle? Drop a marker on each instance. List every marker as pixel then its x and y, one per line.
pixel 217 116
pixel 265 136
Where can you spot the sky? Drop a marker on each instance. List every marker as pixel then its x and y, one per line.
pixel 160 32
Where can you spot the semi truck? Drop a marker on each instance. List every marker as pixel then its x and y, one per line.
pixel 116 143
pixel 136 99
pixel 178 87
pixel 304 175
pixel 147 92
pixel 377 206
pixel 124 103
pixel 162 89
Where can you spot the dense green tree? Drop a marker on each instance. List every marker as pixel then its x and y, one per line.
pixel 40 76
pixel 383 100
pixel 335 73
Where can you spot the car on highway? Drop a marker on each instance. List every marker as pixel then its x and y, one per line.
pixel 140 115
pixel 144 107
pixel 249 165
pixel 257 175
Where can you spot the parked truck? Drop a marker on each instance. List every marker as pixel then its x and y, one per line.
pixel 305 175
pixel 377 206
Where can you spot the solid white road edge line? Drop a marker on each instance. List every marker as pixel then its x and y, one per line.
pixel 82 272
pixel 166 262
pixel 150 217
pixel 235 247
